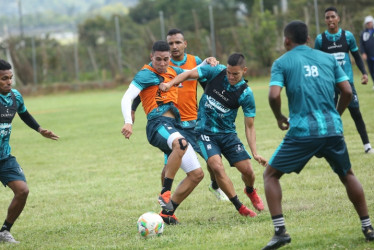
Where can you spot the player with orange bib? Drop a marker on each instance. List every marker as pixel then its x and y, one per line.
pixel 163 127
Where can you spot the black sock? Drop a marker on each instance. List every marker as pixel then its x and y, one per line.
pixel 365 222
pixel 175 205
pixel 279 225
pixel 236 202
pixel 167 185
pixel 249 189
pixel 214 185
pixel 6 226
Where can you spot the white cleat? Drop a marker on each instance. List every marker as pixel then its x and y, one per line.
pixel 369 151
pixel 220 195
pixel 6 237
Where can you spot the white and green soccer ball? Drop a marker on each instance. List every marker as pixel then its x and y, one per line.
pixel 150 224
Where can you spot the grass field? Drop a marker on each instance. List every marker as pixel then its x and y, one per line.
pixel 88 189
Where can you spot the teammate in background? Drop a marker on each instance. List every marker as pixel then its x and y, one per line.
pixel 187 99
pixel 11 174
pixel 163 129
pixel 367 44
pixel 225 92
pixel 314 125
pixel 339 42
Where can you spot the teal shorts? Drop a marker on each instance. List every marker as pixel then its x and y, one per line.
pixel 354 102
pixel 227 144
pixel 10 170
pixel 191 136
pixel 294 153
pixel 158 131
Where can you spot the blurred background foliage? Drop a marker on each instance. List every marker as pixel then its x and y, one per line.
pixel 113 41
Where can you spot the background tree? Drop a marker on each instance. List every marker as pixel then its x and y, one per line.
pixel 240 26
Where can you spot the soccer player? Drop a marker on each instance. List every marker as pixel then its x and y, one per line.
pixel 367 44
pixel 314 124
pixel 11 174
pixel 163 129
pixel 225 92
pixel 339 42
pixel 187 98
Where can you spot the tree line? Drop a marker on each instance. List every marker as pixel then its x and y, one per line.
pixel 112 47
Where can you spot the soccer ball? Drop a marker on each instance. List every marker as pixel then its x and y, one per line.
pixel 150 224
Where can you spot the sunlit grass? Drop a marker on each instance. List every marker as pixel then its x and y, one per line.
pixel 88 189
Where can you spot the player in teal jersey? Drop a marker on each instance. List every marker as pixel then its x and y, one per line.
pixel 225 92
pixel 314 124
pixel 340 42
pixel 11 174
pixel 187 99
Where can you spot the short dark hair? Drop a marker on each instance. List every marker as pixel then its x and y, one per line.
pixel 297 31
pixel 331 8
pixel 236 59
pixel 4 65
pixel 160 46
pixel 174 32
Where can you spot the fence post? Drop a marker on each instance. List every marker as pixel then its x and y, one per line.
pixel 212 36
pixel 34 69
pixel 118 38
pixel 162 23
pixel 76 57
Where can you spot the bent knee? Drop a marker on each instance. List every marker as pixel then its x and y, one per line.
pixel 196 175
pixel 22 192
pixel 180 145
pixel 271 172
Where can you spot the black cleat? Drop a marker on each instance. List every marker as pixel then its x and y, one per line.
pixel 369 233
pixel 169 219
pixel 278 241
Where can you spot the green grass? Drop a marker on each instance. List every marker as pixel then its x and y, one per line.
pixel 88 189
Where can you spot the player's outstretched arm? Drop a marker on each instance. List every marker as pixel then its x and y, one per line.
pixel 48 134
pixel 275 105
pixel 250 133
pixel 27 118
pixel 131 93
pixel 189 74
pixel 361 66
pixel 127 130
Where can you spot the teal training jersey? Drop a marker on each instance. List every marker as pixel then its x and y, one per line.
pixel 343 56
pixel 6 128
pixel 309 77
pixel 214 115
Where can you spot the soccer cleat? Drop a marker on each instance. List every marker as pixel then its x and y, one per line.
pixel 256 200
pixel 169 219
pixel 218 193
pixel 243 210
pixel 278 241
pixel 165 201
pixel 369 151
pixel 369 233
pixel 5 236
